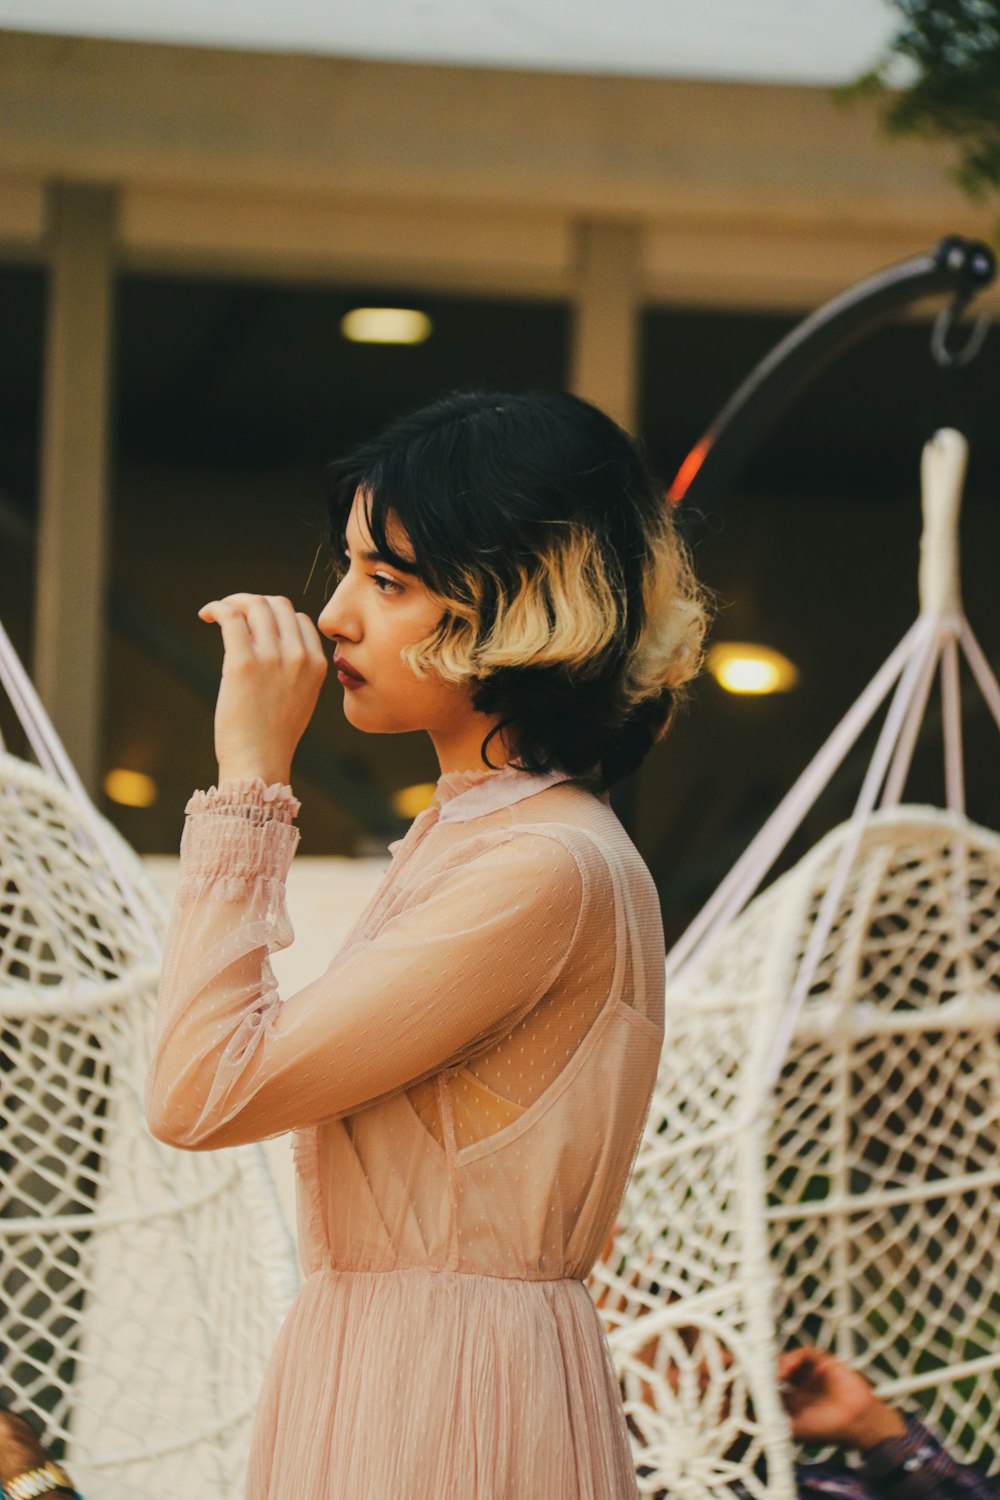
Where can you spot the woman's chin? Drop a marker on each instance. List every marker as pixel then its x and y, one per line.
pixel 370 719
pixel 356 714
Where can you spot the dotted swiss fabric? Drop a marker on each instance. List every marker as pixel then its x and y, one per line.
pixel 468 1081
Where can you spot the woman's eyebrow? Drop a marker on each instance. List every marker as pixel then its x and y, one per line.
pixel 403 564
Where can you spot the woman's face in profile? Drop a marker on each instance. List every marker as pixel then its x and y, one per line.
pixel 376 610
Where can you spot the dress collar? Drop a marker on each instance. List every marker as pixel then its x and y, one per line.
pixel 462 795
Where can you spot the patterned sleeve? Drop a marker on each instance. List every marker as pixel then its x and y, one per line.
pixel 915 1466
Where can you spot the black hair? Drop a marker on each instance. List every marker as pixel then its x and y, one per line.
pixel 534 519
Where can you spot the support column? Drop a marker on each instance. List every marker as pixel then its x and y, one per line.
pixel 73 533
pixel 605 348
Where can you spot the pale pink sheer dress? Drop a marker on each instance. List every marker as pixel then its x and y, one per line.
pixel 468 1082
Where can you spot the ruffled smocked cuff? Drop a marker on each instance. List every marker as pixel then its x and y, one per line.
pixel 248 797
pixel 239 832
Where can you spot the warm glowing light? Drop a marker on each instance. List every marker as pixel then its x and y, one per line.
pixel 130 788
pixel 385 325
pixel 741 667
pixel 687 471
pixel 411 800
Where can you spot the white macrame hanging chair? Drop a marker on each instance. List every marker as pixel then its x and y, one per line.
pixel 821 1162
pixel 140 1287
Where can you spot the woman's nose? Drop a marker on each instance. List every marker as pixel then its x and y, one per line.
pixel 337 619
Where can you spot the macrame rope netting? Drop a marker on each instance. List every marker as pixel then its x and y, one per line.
pixel 821 1162
pixel 140 1287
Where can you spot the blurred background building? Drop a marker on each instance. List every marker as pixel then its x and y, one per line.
pixel 633 205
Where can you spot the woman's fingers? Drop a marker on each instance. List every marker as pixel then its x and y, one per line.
pixel 236 637
pixel 293 646
pixel 272 627
pixel 793 1359
pixel 271 679
pixel 264 630
pixel 312 641
pixel 261 613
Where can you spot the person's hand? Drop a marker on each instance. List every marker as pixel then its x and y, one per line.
pixel 828 1402
pixel 21 1451
pixel 271 676
pixel 19 1447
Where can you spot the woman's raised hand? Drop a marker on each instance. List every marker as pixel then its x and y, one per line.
pixel 271 676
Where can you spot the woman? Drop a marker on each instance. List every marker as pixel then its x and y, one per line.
pixel 469 1078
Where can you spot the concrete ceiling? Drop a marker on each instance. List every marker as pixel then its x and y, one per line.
pixel 791 41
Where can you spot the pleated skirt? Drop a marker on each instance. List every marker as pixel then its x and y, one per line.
pixel 429 1384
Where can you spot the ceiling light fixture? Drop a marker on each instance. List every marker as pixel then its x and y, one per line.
pixel 742 667
pixel 385 325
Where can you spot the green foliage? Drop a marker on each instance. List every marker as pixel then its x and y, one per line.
pixel 950 52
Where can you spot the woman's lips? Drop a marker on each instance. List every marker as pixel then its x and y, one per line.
pixel 346 674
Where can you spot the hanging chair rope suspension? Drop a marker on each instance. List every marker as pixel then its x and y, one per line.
pixel 942 475
pixel 943 468
pixel 932 641
pixel 749 870
pixel 935 637
pixel 53 759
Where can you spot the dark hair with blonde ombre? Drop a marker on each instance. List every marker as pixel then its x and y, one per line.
pixel 567 597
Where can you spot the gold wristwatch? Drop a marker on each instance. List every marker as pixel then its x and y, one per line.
pixel 33 1482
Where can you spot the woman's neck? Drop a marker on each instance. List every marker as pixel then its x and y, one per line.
pixel 460 748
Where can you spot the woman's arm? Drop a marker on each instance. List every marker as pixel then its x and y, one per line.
pixel 233 1063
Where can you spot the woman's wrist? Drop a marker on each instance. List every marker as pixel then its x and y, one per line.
pixel 274 775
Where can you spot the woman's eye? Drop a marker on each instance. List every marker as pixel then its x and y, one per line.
pixel 387 585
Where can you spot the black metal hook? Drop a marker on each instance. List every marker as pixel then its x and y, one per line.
pixel 947 320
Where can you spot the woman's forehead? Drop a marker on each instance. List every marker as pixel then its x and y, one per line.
pixel 357 523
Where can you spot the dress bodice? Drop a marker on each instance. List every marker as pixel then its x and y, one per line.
pixel 469 1078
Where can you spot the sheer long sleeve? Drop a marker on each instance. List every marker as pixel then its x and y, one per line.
pixel 460 965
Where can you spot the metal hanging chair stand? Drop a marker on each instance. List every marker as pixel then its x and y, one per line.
pixel 956 266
